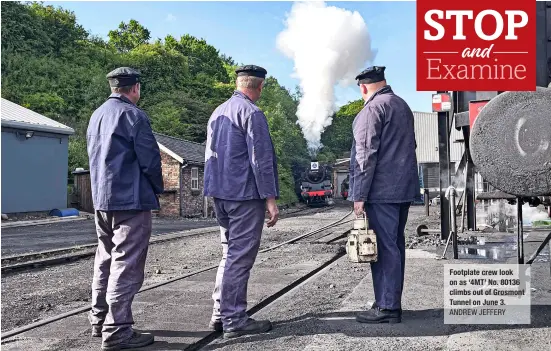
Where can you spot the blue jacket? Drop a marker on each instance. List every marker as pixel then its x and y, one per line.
pixel 383 164
pixel 125 161
pixel 240 160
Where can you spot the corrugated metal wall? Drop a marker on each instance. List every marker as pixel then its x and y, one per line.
pixel 431 174
pixel 426 134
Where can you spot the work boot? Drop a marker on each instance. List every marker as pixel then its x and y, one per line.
pixel 216 326
pixel 136 340
pixel 250 327
pixel 379 315
pixel 96 331
pixel 374 306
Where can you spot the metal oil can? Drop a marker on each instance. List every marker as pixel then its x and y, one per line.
pixel 362 243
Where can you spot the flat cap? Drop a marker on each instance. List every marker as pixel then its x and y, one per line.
pixel 251 70
pixel 123 76
pixel 371 75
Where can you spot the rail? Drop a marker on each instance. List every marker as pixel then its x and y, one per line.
pixel 31 260
pixel 46 321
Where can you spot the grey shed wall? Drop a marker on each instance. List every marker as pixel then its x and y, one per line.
pixel 426 135
pixel 34 171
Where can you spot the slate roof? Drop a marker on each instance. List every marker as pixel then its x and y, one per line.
pixel 189 151
pixel 19 117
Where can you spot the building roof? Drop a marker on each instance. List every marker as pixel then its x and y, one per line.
pixel 341 164
pixel 19 117
pixel 182 150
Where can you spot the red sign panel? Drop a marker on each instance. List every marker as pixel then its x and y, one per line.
pixel 474 110
pixel 477 45
pixel 441 102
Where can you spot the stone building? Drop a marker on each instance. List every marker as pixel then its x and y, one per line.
pixel 183 164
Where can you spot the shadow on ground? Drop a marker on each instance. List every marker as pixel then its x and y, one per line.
pixel 419 323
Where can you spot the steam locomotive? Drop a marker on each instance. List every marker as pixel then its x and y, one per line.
pixel 316 186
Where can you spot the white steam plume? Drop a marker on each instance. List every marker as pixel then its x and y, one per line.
pixel 529 214
pixel 329 45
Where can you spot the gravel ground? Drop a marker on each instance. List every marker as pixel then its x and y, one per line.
pixel 19 240
pixel 61 288
pixel 417 217
pixel 58 289
pixel 12 218
pixel 320 314
pixel 295 314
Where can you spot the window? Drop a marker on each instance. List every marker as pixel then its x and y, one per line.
pixel 194 178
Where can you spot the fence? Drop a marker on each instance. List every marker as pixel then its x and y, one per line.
pixel 83 191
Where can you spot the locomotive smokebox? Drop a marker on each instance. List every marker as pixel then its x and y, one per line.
pixel 510 142
pixel 314 166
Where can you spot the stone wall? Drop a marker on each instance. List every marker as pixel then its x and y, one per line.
pixel 192 199
pixel 210 207
pixel 170 199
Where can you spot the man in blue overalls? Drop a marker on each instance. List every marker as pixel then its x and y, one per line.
pixel 126 177
pixel 384 182
pixel 241 175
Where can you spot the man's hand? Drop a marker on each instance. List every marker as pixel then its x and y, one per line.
pixel 271 206
pixel 358 208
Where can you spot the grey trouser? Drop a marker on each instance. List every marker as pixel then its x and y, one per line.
pixel 241 225
pixel 123 239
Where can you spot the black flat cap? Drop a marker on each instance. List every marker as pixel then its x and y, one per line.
pixel 251 70
pixel 123 76
pixel 371 75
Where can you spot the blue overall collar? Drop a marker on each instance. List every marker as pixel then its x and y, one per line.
pixel 120 97
pixel 384 90
pixel 241 95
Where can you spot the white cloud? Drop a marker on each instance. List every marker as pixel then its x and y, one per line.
pixel 170 18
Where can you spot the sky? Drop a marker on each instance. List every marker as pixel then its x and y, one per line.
pixel 247 32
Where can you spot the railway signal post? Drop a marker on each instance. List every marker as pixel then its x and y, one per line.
pixel 441 103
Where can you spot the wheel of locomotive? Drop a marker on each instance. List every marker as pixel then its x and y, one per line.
pixel 510 142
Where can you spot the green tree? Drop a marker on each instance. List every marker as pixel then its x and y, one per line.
pixel 129 36
pixel 39 30
pixel 54 67
pixel 337 138
pixel 204 58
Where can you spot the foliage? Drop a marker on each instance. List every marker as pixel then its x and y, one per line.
pixel 129 36
pixel 337 138
pixel 51 65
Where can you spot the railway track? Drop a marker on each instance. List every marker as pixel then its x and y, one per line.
pixel 23 262
pixel 323 234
